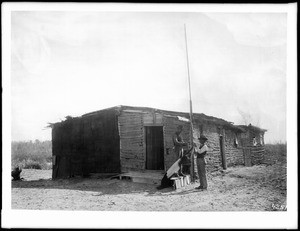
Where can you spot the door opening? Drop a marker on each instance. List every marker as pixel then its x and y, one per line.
pixel 154 148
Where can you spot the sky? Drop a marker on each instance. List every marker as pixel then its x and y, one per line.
pixel 71 63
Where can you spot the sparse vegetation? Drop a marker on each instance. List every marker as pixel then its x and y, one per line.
pixel 32 155
pixel 277 150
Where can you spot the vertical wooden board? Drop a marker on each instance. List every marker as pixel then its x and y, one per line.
pixel 83 141
pixel 129 121
pixel 112 142
pixel 223 151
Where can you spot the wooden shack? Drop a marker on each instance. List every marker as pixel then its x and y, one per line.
pixel 124 138
pixel 252 139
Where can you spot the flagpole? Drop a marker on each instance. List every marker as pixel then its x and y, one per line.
pixel 191 109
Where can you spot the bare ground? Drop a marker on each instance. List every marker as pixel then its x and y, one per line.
pixel 257 188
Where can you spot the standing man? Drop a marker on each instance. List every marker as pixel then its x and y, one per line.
pixel 178 145
pixel 200 152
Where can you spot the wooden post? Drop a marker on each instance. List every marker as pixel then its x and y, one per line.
pixel 247 156
pixel 191 109
pixel 222 149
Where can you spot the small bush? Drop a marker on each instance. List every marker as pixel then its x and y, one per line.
pixel 33 166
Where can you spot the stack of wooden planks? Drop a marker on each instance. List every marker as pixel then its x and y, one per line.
pixel 146 176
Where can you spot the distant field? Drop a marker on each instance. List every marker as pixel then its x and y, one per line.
pixel 31 154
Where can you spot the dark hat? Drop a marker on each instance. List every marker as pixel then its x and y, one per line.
pixel 202 137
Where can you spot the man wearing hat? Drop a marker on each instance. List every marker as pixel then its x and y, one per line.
pixel 200 152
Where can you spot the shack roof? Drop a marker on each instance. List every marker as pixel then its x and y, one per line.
pixel 251 127
pixel 198 117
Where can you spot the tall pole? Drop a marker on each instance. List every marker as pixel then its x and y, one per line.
pixel 191 109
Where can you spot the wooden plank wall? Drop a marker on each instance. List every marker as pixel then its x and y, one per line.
pixel 133 147
pixel 132 137
pixel 152 119
pixel 234 155
pixel 101 142
pixel 132 141
pixel 214 161
pixel 66 143
pixel 254 155
pixel 257 155
pixel 86 145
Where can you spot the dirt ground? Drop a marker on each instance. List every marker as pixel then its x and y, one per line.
pixel 257 188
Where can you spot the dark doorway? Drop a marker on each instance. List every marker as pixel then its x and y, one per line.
pixel 154 148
